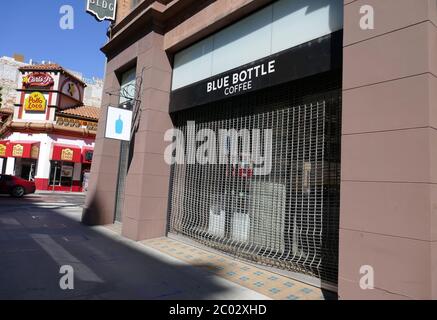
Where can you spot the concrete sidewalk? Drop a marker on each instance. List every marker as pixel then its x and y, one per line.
pixel 37 238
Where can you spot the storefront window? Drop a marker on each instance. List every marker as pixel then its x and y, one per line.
pixel 278 202
pixel 61 173
pixel 26 168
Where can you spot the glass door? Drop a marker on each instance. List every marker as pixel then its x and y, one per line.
pixel 61 174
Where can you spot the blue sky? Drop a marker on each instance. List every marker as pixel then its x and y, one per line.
pixel 31 28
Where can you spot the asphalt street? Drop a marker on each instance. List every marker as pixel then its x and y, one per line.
pixel 42 233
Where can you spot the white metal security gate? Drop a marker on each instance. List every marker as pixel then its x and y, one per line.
pixel 287 218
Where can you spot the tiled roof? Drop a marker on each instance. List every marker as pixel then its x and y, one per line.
pixel 46 67
pixel 50 67
pixel 92 113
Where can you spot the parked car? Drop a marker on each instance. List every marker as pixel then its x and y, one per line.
pixel 15 186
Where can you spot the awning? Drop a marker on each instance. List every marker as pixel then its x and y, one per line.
pixel 87 154
pixel 3 148
pixel 23 149
pixel 63 152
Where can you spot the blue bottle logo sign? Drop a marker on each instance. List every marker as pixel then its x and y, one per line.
pixel 119 125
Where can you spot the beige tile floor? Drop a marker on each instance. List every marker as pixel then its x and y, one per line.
pixel 267 283
pixel 116 227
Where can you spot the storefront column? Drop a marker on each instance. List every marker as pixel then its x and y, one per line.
pixel 43 170
pixel 147 182
pixel 146 191
pixel 10 166
pixel 100 199
pixel 388 227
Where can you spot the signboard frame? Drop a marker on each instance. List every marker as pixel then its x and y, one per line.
pixel 38 79
pixel 316 56
pixel 113 115
pixel 3 148
pixel 38 106
pixel 99 15
pixel 67 155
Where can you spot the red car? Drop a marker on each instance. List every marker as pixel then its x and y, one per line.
pixel 15 186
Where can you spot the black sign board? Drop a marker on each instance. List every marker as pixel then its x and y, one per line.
pixel 317 56
pixel 102 9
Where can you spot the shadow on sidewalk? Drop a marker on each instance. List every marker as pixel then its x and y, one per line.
pixel 36 241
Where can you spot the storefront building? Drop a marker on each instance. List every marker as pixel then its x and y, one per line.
pixel 50 137
pixel 343 180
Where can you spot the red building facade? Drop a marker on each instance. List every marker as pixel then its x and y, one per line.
pixel 49 137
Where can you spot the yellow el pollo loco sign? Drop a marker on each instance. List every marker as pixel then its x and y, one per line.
pixel 18 151
pixel 67 155
pixel 35 102
pixel 2 150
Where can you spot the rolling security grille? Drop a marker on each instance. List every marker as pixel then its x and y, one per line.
pixel 286 218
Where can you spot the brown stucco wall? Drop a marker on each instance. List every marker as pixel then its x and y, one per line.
pixel 211 18
pixel 388 151
pixel 147 183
